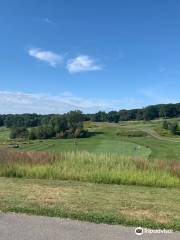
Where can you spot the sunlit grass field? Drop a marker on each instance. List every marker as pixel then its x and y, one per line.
pixel 123 153
pixel 117 161
pixel 121 138
pixel 4 134
pixel 113 204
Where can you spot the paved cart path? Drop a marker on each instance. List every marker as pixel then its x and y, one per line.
pixel 24 227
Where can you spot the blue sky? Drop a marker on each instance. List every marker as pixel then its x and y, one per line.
pixel 60 55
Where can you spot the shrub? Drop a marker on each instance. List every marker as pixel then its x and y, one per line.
pixel 19 132
pixel 165 124
pixel 171 126
pixel 132 134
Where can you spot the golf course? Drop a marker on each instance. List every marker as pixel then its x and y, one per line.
pixel 124 173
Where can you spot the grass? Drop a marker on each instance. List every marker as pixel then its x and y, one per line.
pixel 160 149
pixel 166 133
pixel 84 180
pixel 89 167
pixel 126 138
pixel 4 133
pixel 94 144
pixel 128 205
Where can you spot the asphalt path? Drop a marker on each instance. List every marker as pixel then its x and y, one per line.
pixel 24 227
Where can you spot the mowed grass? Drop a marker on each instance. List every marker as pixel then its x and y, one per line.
pixel 4 134
pixel 90 167
pixel 106 140
pixel 160 149
pixel 95 145
pixel 129 205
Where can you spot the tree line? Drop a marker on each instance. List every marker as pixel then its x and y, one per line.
pixel 146 114
pixel 70 124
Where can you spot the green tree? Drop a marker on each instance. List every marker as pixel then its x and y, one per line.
pixel 19 132
pixel 165 125
pixel 173 127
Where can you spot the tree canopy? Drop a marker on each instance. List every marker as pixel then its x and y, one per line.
pixel 57 124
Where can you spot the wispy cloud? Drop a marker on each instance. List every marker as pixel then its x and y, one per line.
pixel 156 95
pixel 50 57
pixel 82 63
pixel 48 20
pixel 19 102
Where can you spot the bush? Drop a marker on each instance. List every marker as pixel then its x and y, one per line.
pixel 19 132
pixel 165 125
pixel 172 126
pixel 57 126
pixel 132 134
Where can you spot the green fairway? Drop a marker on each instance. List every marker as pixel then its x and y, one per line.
pixel 92 145
pixel 133 138
pixel 4 134
pixel 164 150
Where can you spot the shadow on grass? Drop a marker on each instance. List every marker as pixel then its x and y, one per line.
pixel 91 134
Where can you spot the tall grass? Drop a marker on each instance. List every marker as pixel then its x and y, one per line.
pixel 84 166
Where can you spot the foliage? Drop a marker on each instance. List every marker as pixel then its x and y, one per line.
pixel 147 113
pixel 172 126
pixel 19 132
pixel 132 133
pixel 165 125
pixel 34 120
pixel 57 126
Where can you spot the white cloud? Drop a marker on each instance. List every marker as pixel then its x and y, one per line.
pixel 47 56
pixel 82 63
pixel 19 102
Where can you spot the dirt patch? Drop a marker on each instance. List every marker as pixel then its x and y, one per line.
pixel 47 195
pixel 159 217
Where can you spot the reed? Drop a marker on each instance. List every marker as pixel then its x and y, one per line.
pixel 90 167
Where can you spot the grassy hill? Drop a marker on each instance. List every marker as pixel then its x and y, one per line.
pixel 127 172
pixel 133 138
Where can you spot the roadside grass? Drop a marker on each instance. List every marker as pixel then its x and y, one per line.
pixel 89 167
pixel 100 203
